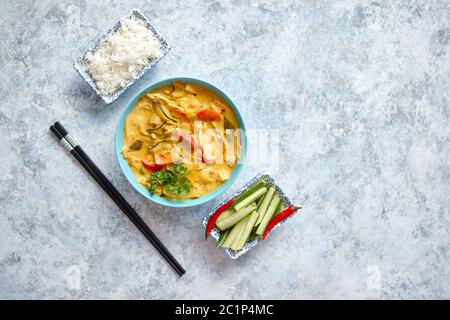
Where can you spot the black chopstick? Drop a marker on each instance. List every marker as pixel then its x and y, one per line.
pixel 75 149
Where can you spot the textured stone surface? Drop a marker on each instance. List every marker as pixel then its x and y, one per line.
pixel 359 92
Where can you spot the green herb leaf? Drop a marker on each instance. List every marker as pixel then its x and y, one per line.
pixel 179 170
pixel 180 186
pixel 172 179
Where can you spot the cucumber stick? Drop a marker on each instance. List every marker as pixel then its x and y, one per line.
pixel 269 214
pixel 249 192
pixel 235 217
pixel 253 197
pixel 277 211
pixel 279 208
pixel 234 233
pixel 225 214
pixel 264 204
pixel 236 240
pixel 258 203
pixel 239 243
pixel 222 238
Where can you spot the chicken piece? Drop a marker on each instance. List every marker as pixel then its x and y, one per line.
pixel 165 157
pixel 223 174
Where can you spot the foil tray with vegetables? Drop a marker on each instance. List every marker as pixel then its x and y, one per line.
pixel 246 218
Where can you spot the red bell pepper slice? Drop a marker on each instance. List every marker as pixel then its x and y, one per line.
pixel 183 136
pixel 152 166
pixel 178 113
pixel 208 115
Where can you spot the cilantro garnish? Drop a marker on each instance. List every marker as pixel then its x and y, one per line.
pixel 172 179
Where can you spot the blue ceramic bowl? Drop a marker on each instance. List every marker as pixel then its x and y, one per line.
pixel 132 178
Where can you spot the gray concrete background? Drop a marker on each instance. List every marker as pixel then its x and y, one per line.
pixel 359 92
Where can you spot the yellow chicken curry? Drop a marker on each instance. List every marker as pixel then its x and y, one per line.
pixel 181 141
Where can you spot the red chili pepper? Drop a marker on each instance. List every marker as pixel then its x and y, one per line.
pixel 152 166
pixel 278 218
pixel 215 216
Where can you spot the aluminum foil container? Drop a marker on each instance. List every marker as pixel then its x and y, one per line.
pixel 80 67
pixel 249 245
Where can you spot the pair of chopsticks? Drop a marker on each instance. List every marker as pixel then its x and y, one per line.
pixel 75 149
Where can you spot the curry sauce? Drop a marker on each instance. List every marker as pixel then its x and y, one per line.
pixel 182 123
